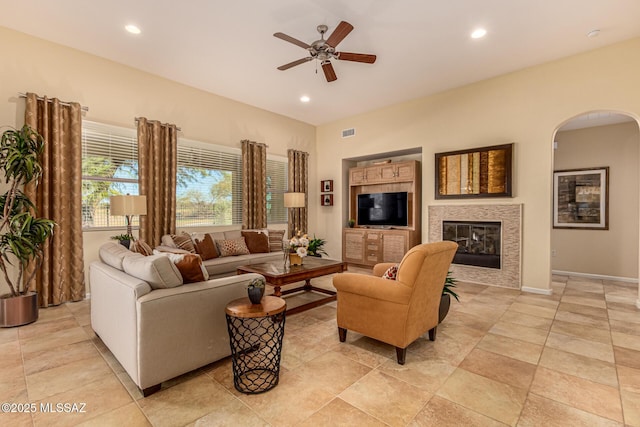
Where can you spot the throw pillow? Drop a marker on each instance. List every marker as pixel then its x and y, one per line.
pixel 206 247
pixel 141 247
pixel 157 270
pixel 391 273
pixel 183 241
pixel 189 265
pixel 275 240
pixel 233 247
pixel 257 242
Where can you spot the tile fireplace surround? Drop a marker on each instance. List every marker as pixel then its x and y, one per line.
pixel 510 216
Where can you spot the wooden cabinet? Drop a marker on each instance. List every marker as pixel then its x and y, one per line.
pixel 369 247
pixel 383 174
pixel 353 245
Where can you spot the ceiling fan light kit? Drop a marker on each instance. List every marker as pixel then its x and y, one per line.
pixel 325 50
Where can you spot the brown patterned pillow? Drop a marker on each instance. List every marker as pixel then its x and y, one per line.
pixel 141 247
pixel 189 265
pixel 206 248
pixel 275 240
pixel 256 241
pixel 233 247
pixel 183 241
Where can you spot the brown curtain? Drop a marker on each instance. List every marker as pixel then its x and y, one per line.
pixel 157 167
pixel 298 183
pixel 254 184
pixel 58 196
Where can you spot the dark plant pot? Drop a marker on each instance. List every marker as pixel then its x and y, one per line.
pixel 18 311
pixel 255 295
pixel 445 303
pixel 125 243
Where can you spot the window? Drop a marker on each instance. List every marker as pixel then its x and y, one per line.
pixel 209 185
pixel 276 187
pixel 109 167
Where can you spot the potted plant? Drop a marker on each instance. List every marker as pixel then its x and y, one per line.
pixel 315 247
pixel 23 236
pixel 255 290
pixel 351 222
pixel 447 293
pixel 124 239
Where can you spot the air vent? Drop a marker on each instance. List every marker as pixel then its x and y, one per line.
pixel 346 133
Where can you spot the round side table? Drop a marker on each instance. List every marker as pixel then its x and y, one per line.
pixel 255 336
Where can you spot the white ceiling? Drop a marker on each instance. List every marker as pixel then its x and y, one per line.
pixel 423 46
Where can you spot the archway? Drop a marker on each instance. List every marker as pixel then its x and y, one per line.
pixel 580 246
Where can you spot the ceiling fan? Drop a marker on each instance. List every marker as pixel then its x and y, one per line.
pixel 325 50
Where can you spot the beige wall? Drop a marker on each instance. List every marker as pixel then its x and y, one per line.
pixel 612 252
pixel 115 94
pixel 525 107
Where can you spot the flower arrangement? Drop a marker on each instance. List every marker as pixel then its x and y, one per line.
pixel 299 244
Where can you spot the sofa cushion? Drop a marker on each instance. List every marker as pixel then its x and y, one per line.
pixel 233 247
pixel 157 270
pixel 232 235
pixel 172 249
pixel 276 238
pixel 167 240
pixel 206 247
pixel 141 247
pixel 112 254
pixel 183 241
pixel 257 241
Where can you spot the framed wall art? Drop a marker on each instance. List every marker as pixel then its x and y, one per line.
pixel 326 199
pixel 581 198
pixel 474 173
pixel 326 186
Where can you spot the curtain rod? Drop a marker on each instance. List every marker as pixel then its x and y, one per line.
pixel 40 98
pixel 177 128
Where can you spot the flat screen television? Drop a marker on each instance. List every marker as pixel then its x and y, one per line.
pixel 383 209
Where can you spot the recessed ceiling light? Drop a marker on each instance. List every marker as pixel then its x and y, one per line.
pixel 479 33
pixel 132 29
pixel 305 98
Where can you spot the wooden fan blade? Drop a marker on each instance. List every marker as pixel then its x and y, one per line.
pixel 342 30
pixel 356 57
pixel 290 39
pixel 329 72
pixel 294 63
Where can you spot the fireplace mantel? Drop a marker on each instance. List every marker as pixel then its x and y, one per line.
pixel 510 215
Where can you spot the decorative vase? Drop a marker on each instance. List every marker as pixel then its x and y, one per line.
pixel 255 294
pixel 445 303
pixel 20 310
pixel 295 259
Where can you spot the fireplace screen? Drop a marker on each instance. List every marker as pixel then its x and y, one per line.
pixel 478 242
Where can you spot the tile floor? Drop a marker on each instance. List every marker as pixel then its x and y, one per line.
pixel 502 357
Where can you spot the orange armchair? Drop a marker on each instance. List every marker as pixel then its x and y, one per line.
pixel 399 311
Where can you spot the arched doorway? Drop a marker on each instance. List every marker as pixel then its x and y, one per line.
pixel 596 140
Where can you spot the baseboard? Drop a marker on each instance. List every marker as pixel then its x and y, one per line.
pixel 537 290
pixel 595 276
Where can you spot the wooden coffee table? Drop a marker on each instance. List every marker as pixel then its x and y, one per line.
pixel 277 275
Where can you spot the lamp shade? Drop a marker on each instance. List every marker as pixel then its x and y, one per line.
pixel 294 200
pixel 128 205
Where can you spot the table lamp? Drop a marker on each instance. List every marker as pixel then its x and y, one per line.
pixel 128 206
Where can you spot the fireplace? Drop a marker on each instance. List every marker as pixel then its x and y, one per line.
pixel 478 242
pixel 509 216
